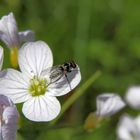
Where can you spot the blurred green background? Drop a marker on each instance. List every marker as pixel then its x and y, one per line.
pixel 99 35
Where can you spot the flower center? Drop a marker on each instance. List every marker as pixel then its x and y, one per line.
pixel 38 86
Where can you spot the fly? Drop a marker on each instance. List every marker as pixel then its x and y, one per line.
pixel 63 72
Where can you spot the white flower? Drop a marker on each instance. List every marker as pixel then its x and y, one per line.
pixel 129 128
pixel 108 104
pixel 133 97
pixel 8 119
pixel 9 32
pixel 8 113
pixel 32 87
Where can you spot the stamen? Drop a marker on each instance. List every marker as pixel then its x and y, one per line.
pixel 38 86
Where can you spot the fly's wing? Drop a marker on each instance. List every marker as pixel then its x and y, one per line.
pixel 53 73
pixel 67 82
pixel 66 79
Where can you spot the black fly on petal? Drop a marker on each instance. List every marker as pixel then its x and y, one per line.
pixel 62 74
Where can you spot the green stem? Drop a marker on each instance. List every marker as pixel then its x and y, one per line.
pixel 80 91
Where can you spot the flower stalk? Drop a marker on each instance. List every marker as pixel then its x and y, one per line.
pixel 79 92
pixel 14 57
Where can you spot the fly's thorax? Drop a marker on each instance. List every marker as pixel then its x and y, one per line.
pixel 38 86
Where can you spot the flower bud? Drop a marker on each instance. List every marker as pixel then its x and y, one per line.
pixel 108 104
pixel 133 97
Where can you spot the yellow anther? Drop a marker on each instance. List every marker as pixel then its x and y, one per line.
pixel 37 86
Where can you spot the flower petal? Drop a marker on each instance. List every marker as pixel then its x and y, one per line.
pixel 10 115
pixel 41 108
pixel 137 122
pixel 26 36
pixel 4 100
pixel 9 31
pixel 108 104
pixel 133 97
pixel 66 83
pixel 9 127
pixel 1 57
pixel 128 128
pixel 15 85
pixel 34 57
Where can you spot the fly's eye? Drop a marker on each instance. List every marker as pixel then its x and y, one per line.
pixel 73 65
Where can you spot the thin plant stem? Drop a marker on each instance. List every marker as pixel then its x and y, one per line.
pixel 79 92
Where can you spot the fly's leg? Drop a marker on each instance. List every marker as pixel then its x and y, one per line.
pixel 55 81
pixel 68 81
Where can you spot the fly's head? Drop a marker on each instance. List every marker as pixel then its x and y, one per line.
pixel 69 66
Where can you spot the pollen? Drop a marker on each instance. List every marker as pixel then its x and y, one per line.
pixel 38 86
